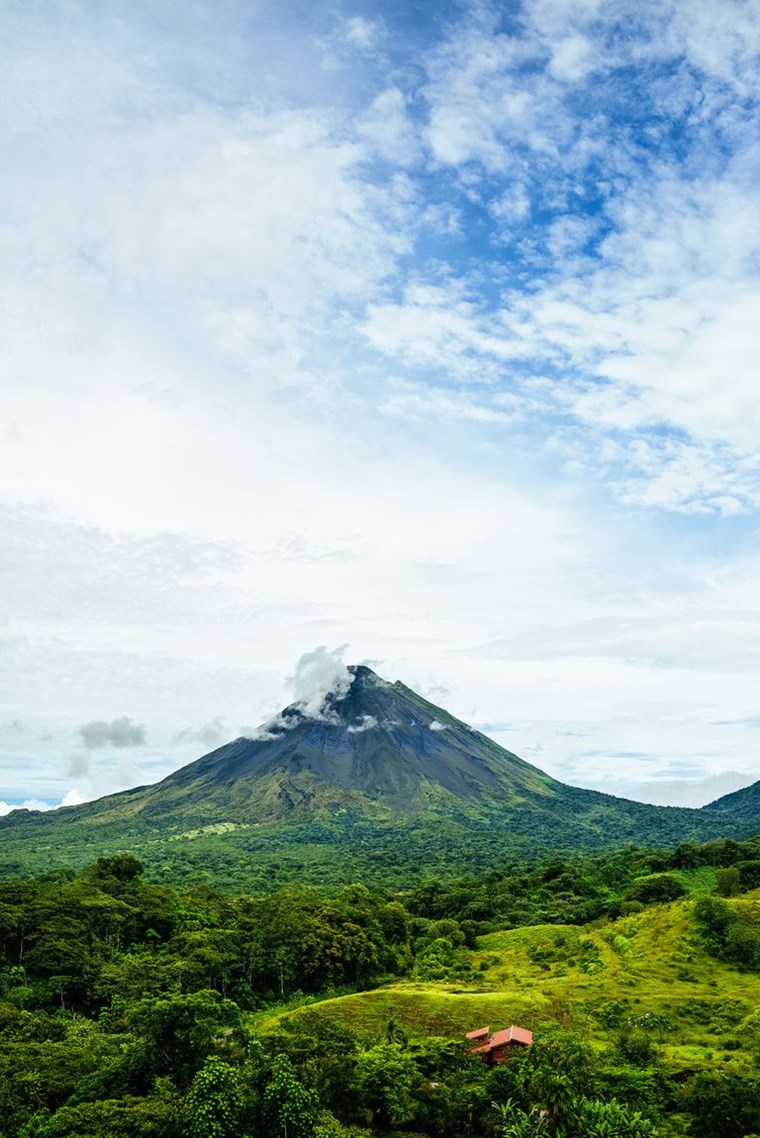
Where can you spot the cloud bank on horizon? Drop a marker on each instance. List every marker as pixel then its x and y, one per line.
pixel 434 334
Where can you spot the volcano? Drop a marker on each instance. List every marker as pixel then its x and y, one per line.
pixel 372 763
pixel 373 747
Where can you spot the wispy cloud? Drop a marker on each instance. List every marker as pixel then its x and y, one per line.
pixel 628 230
pixel 207 735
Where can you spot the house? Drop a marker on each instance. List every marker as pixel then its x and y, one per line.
pixel 498 1047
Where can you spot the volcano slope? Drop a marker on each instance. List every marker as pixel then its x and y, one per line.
pixel 375 782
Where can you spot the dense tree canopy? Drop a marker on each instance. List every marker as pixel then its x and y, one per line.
pixel 126 1006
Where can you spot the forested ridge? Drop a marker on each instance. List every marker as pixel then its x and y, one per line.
pixel 130 1008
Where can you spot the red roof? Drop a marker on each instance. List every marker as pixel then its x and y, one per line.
pixel 510 1035
pixel 479 1033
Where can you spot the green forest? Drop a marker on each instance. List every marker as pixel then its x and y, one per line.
pixel 132 1008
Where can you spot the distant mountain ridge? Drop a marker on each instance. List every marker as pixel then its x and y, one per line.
pixel 739 805
pixel 377 759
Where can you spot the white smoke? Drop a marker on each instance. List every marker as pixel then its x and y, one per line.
pixel 272 729
pixel 366 723
pixel 319 674
pixel 436 726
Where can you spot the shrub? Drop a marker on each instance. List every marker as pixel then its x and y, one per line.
pixel 657 887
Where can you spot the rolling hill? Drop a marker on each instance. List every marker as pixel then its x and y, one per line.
pixel 651 967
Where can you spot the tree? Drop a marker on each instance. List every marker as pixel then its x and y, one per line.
pixel 215 1102
pixel 323 1053
pixel 749 874
pixel 714 918
pixel 658 1022
pixel 655 888
pixel 727 882
pixel 636 1047
pixel 749 1032
pixel 395 1032
pixel 557 1069
pixel 436 961
pixel 723 1106
pixel 729 931
pixel 743 944
pixel 641 1089
pixel 182 1030
pixel 393 920
pixel 291 1109
pixel 121 866
pixel 387 1077
pixel 329 1127
pixel 541 1086
pixel 128 1117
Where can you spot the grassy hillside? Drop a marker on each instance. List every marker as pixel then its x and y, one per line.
pixel 595 980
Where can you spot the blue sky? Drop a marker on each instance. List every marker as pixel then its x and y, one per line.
pixel 426 329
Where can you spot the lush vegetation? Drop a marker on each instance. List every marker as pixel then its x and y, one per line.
pixel 132 1008
pixel 346 847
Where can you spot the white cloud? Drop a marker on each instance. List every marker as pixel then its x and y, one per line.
pixel 27 804
pixel 387 128
pixel 73 797
pixel 363 33
pixel 361 352
pixel 437 325
pixel 422 403
pixel 206 735
pixel 644 307
pixel 572 59
pixel 678 791
pixel 121 732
